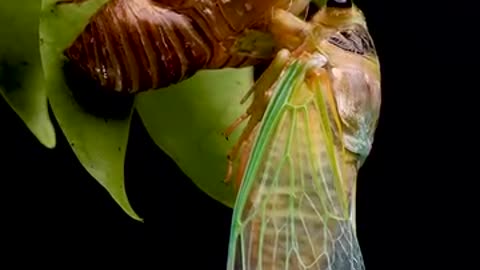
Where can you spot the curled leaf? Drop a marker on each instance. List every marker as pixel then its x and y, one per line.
pixel 99 142
pixel 187 120
pixel 22 81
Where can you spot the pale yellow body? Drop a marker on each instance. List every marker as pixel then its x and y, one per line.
pixel 311 126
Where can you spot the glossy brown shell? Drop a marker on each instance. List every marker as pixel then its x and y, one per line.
pixel 135 45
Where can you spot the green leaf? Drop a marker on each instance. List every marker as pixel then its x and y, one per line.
pixel 187 120
pixel 22 82
pixel 99 143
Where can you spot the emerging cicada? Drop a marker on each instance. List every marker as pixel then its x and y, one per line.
pixel 311 126
pixel 135 45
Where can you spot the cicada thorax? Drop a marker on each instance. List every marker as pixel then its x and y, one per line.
pixel 135 45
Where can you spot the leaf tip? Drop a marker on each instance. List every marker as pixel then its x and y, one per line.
pixel 49 139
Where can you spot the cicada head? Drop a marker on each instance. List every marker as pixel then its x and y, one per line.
pixel 338 12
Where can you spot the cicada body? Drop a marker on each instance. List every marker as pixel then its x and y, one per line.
pixel 130 46
pixel 312 124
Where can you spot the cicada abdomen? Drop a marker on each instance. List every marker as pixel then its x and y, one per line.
pixel 135 45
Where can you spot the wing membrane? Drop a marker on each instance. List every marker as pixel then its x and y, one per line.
pixel 291 212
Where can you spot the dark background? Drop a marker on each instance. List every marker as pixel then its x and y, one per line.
pixel 54 213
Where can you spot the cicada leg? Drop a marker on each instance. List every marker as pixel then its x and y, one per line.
pixel 262 91
pixel 288 30
pixel 244 150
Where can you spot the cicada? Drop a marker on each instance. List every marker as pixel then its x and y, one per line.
pixel 311 127
pixel 130 46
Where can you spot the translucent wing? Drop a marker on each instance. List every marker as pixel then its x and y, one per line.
pixel 293 208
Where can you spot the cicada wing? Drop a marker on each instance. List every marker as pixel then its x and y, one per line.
pixel 292 208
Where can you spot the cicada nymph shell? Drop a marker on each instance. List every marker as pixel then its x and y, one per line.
pixel 131 46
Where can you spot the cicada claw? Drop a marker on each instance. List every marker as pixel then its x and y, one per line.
pixel 234 125
pixel 244 139
pixel 228 176
pixel 244 145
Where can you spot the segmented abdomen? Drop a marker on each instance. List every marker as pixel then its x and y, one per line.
pixel 137 45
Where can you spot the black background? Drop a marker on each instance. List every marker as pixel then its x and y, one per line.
pixel 54 213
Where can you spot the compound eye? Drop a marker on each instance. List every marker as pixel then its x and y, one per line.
pixel 339 3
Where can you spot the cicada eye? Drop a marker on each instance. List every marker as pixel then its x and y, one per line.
pixel 339 3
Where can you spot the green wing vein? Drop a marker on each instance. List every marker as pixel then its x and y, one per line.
pixel 291 210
